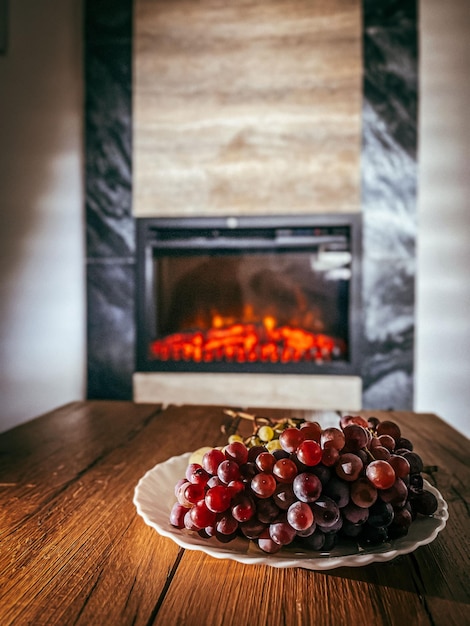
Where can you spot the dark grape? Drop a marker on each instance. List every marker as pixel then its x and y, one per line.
pixel 425 503
pixel 380 514
pixel 338 490
pixel 389 428
pixel 415 461
pixel 325 511
pixel 349 466
pixel 307 487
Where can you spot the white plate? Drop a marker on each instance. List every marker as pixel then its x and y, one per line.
pixel 154 497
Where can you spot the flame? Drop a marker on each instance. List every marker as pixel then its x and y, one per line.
pixel 247 343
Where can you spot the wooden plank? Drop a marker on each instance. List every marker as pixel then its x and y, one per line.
pixel 39 459
pixel 85 538
pixel 246 107
pixel 271 596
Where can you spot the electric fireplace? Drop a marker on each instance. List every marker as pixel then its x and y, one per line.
pixel 249 294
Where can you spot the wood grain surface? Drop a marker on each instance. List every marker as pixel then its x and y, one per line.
pixel 246 107
pixel 74 551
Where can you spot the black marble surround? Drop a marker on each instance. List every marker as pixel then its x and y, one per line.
pixel 389 176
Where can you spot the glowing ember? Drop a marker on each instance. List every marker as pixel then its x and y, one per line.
pixel 248 343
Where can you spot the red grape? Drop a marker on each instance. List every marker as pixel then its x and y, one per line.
pixel 381 474
pixel 309 453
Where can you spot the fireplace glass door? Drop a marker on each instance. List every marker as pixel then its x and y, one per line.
pixel 247 295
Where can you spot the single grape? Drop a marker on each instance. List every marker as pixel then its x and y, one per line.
pixel 333 528
pixel 228 470
pixel 400 465
pixel 243 508
pixel 265 462
pixel 218 498
pixel 236 487
pixel 380 514
pixel 389 428
pixel 315 541
pixel 212 459
pixel 308 531
pixel 254 451
pixel 263 485
pixel 267 544
pixel 282 533
pixel 363 492
pixel 349 466
pixel 188 521
pixel 284 496
pixel 345 420
pixel 180 496
pixel 311 430
pixel 178 511
pixel 333 437
pixel 273 445
pixel 307 487
pixel 404 443
pixel 415 461
pixel 356 437
pixel 193 492
pixel 381 454
pixel 326 512
pixel 309 453
pixel 387 441
pixel 196 474
pixel 381 474
pixel 237 451
pixel 401 523
pixel 397 494
pixel 425 503
pixel 372 535
pixel 300 516
pixel 201 515
pixel 349 529
pixel 331 539
pixel 213 481
pixel 330 456
pixel 291 438
pixel 285 470
pixel 226 524
pixel 372 423
pixel 252 529
pixel 248 470
pixel 338 490
pixel 355 514
pixel 265 433
pixel 267 511
pixel 322 472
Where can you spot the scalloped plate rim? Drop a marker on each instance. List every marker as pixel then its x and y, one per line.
pixel 314 562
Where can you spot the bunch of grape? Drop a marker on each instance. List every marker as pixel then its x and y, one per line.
pixel 359 482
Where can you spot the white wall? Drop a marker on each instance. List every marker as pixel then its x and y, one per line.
pixel 442 382
pixel 42 293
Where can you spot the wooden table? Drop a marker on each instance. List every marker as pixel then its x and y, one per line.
pixel 74 551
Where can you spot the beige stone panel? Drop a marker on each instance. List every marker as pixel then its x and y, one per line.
pixel 246 107
pixel 283 391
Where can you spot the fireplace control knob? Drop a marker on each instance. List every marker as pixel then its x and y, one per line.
pixel 232 222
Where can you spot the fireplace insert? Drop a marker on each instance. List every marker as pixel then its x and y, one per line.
pixel 249 294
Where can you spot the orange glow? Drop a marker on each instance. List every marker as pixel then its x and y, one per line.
pixel 248 342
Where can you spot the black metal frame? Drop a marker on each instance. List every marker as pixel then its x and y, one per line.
pixel 231 233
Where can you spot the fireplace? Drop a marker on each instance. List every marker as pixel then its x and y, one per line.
pixel 249 294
